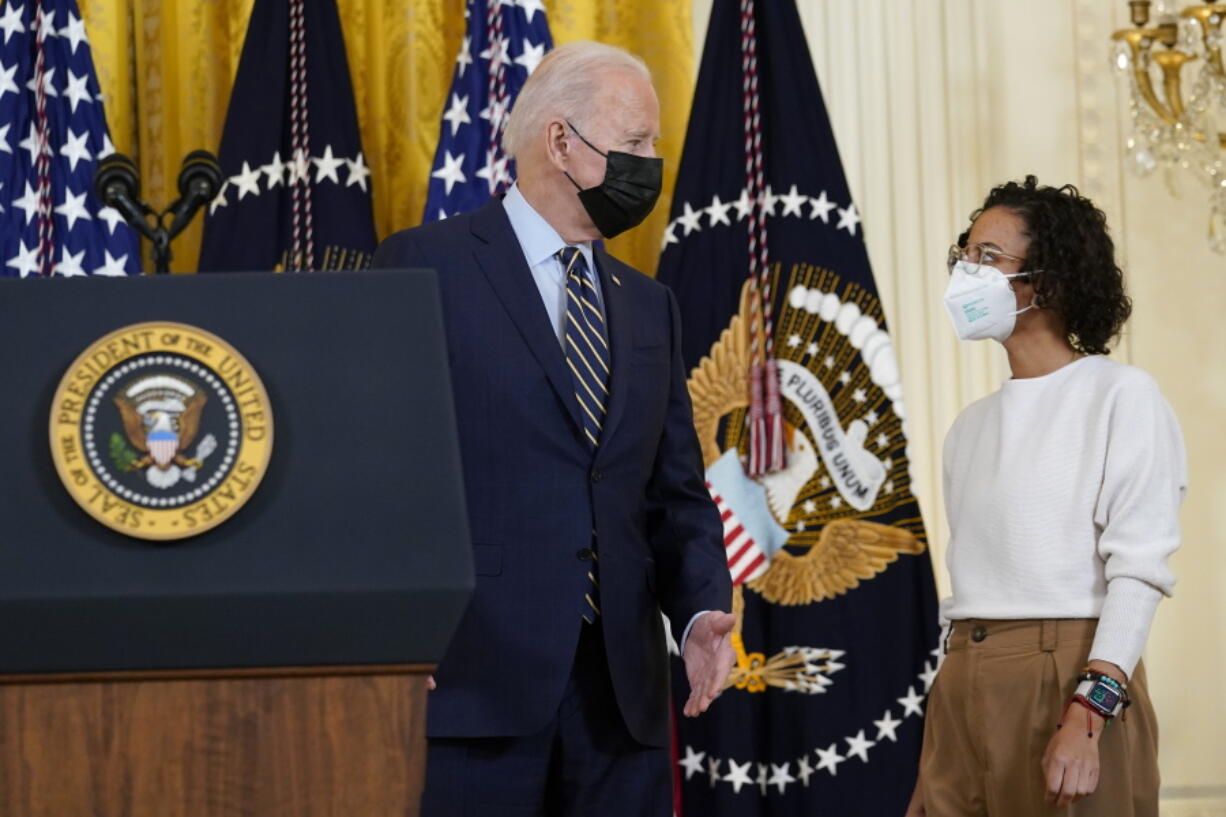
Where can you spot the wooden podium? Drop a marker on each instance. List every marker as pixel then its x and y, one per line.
pixel 276 664
pixel 250 743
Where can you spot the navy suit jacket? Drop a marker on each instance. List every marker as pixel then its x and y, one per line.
pixel 538 497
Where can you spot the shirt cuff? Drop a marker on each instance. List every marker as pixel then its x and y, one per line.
pixel 1123 625
pixel 685 636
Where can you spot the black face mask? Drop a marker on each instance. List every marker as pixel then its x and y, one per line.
pixel 628 193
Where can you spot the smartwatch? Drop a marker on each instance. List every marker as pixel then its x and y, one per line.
pixel 1103 695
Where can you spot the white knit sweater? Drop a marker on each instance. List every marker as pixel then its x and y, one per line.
pixel 1063 496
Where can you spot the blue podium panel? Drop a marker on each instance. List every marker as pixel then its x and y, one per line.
pixel 352 546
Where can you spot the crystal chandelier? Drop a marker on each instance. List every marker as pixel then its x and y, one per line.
pixel 1178 127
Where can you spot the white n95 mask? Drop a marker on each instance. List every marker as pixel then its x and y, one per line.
pixel 981 303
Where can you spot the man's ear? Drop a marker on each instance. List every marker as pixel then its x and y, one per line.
pixel 558 144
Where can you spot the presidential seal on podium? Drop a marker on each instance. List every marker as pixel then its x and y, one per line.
pixel 161 430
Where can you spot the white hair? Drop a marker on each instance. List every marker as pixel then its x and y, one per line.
pixel 564 86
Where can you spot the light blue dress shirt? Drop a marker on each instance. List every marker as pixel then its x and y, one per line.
pixel 540 243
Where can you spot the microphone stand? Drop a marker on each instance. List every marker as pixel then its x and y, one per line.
pixel 117 184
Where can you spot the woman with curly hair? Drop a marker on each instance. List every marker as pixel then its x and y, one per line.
pixel 1062 491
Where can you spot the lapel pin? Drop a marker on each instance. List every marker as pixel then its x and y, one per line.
pixel 616 280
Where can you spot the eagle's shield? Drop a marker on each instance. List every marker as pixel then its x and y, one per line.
pixel 162 446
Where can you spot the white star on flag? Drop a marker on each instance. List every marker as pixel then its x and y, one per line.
pixel 690 219
pixel 930 672
pixel 112 266
pixel 75 91
pixel 457 114
pixel 74 149
pixel 829 759
pixel 738 774
pixel 274 170
pixel 744 206
pixel 531 56
pixel 358 172
pixel 74 32
pixel 48 87
pixel 887 726
pixel 803 770
pixel 6 80
pixel 112 218
pixel 670 235
pixel 718 212
pixel 498 52
pixel 248 181
pixel 859 745
pixel 780 776
pixel 11 23
pixel 25 261
pixel 70 265
pixel 326 166
pixel 466 56
pixel 73 208
pixel 28 203
pixel 792 203
pixel 47 30
pixel 692 762
pixel 912 703
pixel 821 208
pixel 848 218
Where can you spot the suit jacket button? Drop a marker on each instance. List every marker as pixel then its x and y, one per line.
pixel 585 554
pixel 979 633
pixel 596 475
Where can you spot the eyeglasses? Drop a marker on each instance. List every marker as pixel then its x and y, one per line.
pixel 986 254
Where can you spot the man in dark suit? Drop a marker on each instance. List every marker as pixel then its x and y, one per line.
pixel 588 509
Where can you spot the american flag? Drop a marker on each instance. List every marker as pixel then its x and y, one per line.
pixel 504 42
pixel 52 134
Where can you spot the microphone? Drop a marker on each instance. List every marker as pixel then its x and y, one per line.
pixel 199 182
pixel 118 186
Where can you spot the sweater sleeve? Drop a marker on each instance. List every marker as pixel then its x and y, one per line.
pixel 1137 515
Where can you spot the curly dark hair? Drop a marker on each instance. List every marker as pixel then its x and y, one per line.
pixel 1073 258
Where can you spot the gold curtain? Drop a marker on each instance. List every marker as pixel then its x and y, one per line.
pixel 166 68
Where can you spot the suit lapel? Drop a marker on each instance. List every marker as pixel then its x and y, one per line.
pixel 502 260
pixel 617 313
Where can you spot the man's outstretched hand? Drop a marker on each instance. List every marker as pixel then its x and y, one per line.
pixel 708 659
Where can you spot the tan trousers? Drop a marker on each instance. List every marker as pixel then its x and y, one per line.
pixel 993 709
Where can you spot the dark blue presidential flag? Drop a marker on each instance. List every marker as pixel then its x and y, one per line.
pixel 503 43
pixel 297 188
pixel 836 634
pixel 52 134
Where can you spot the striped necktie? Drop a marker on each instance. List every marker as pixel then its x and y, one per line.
pixel 586 343
pixel 586 346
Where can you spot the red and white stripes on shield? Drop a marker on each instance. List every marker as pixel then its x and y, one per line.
pixel 746 559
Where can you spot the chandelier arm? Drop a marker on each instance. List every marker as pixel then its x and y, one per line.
pixel 1171 63
pixel 1204 16
pixel 1140 70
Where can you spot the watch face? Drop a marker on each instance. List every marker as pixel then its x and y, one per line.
pixel 1104 696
